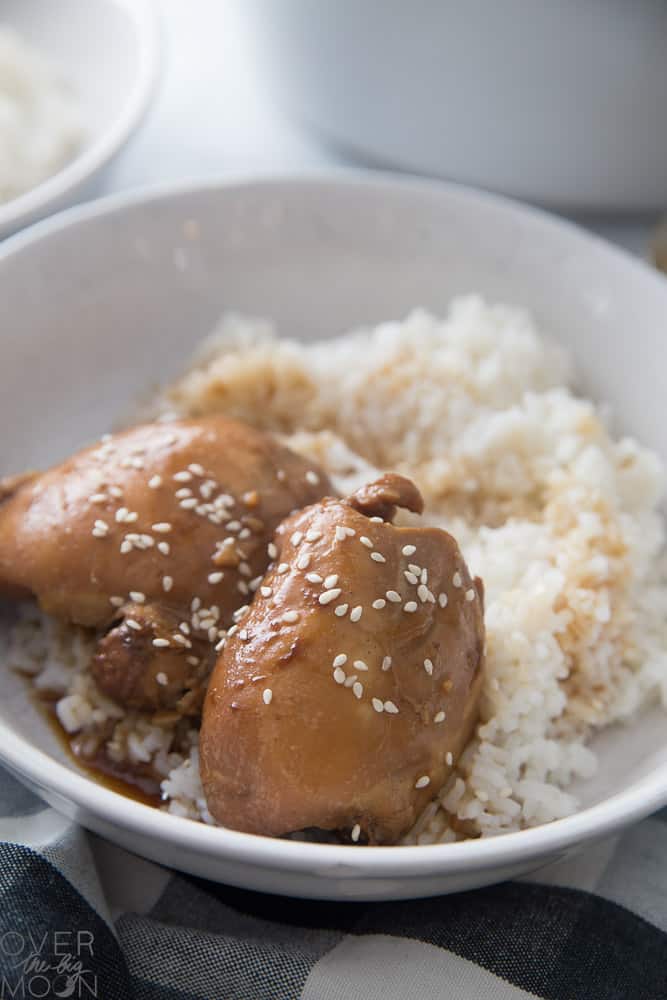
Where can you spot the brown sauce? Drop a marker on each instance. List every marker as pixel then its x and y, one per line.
pixel 134 785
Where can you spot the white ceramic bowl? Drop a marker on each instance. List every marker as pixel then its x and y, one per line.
pixel 108 50
pixel 104 301
pixel 558 103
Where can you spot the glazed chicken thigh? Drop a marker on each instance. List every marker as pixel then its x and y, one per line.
pixel 345 693
pixel 159 534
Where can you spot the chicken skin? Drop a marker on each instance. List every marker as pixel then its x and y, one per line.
pixel 173 517
pixel 345 694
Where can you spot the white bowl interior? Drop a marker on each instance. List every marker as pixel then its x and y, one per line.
pixel 105 49
pixel 96 312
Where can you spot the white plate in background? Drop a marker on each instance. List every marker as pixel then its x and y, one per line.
pixel 128 286
pixel 108 50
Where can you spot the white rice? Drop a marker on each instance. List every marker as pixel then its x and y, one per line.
pixel 560 520
pixel 40 117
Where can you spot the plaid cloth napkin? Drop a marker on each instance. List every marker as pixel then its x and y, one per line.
pixel 82 918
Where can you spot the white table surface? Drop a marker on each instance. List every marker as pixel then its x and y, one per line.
pixel 213 116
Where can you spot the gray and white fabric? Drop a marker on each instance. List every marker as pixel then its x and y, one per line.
pixel 80 917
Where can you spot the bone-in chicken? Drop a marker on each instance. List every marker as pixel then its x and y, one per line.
pixel 345 694
pixel 172 516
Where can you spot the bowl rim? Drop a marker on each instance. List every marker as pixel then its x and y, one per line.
pixel 30 205
pixel 507 849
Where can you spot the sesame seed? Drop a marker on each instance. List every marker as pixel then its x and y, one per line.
pixel 339 675
pixel 162 527
pixel 423 781
pixel 161 643
pixel 265 591
pixel 355 613
pixel 470 594
pixel 457 580
pixel 410 607
pixel 428 667
pixel 240 612
pixel 366 541
pixel 350 681
pixel 386 663
pixel 167 583
pixel 100 529
pixel 449 758
pixel 192 660
pixel 188 504
pixel 219 648
pixel 185 628
pixel 267 696
pixel 424 576
pixel 439 717
pixel 340 660
pixel 390 707
pixel 341 610
pixel 291 616
pixel 442 600
pixel 154 482
pixel 231 631
pixel 422 593
pixel 243 635
pixel 137 596
pixel 379 604
pixel 115 492
pixel 121 514
pixel 283 568
pixel 196 469
pixel 182 641
pixel 215 577
pixel 183 493
pixel 244 569
pixel 393 596
pixel 117 602
pixel 195 604
pixel 355 833
pixel 161 678
pixel 272 550
pixel 137 463
pixel 233 526
pixel 303 561
pixel 125 547
pixel 98 497
pixel 242 587
pixel 357 689
pixel 281 475
pixel 313 536
pixel 312 477
pixel 409 550
pixel 414 568
pixel 340 533
pixel 313 578
pixel 376 519
pixel 410 577
pixel 378 557
pixel 329 595
pixel 183 477
pixel 377 704
pixel 296 538
pixel 164 548
pixel 360 665
pixel 350 532
pixel 131 623
pixel 331 581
